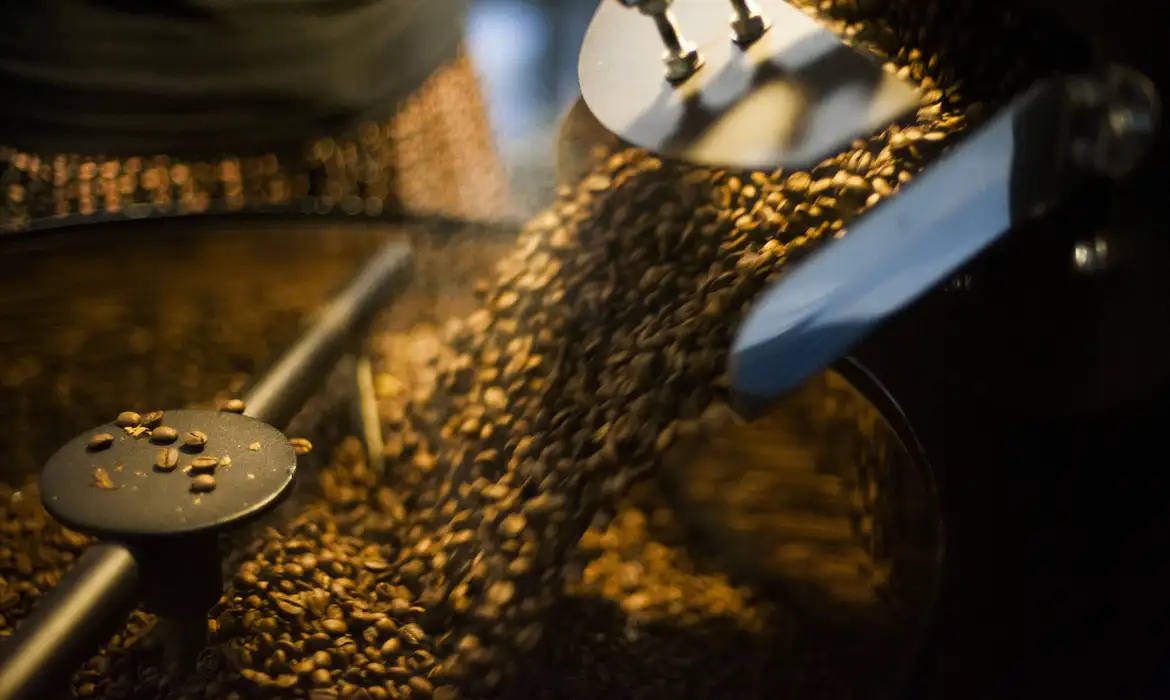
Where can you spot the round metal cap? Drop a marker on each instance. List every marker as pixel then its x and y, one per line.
pixel 791 98
pixel 127 489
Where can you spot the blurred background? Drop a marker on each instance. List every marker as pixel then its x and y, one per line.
pixel 526 51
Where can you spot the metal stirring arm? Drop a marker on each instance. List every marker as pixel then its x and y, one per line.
pixel 93 600
pixel 1047 144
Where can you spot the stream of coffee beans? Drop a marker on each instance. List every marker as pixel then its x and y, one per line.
pixel 510 550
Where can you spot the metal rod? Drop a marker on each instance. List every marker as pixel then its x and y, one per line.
pixel 742 8
pixel 277 396
pixel 668 30
pixel 88 606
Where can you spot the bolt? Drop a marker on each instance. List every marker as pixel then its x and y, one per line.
pixel 747 24
pixel 1091 257
pixel 682 59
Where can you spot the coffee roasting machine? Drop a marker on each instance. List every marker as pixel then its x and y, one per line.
pixel 1011 305
pixel 1007 313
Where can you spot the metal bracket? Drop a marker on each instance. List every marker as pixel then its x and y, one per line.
pixel 1043 148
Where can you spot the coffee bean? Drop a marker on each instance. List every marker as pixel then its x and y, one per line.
pixel 203 483
pixel 334 627
pixel 234 406
pixel 421 686
pixel 512 528
pixel 128 419
pixel 412 633
pixel 301 446
pixel 152 420
pixel 102 480
pixel 204 465
pixel 100 441
pixel 166 459
pixel 164 434
pixel 195 439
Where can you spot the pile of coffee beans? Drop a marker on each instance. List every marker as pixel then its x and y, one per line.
pixel 128 323
pixel 506 551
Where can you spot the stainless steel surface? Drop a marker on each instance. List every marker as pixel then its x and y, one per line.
pixel 795 96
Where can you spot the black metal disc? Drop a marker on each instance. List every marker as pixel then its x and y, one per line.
pixel 135 500
pixel 794 97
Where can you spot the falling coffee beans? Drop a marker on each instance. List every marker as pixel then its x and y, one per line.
pixel 128 419
pixel 194 439
pixel 599 345
pixel 301 446
pixel 203 483
pixel 166 459
pixel 152 420
pixel 100 441
pixel 234 406
pixel 164 435
pixel 204 465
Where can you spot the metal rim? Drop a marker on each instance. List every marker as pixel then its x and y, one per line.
pixel 872 389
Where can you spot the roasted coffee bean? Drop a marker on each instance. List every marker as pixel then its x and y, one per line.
pixel 234 406
pixel 128 419
pixel 194 438
pixel 100 441
pixel 203 483
pixel 301 446
pixel 102 480
pixel 152 420
pixel 166 459
pixel 598 350
pixel 164 435
pixel 204 465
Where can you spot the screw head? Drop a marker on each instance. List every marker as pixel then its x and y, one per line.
pixel 682 65
pixel 1092 257
pixel 746 30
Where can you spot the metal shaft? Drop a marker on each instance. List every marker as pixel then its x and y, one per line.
pixel 743 8
pixel 668 30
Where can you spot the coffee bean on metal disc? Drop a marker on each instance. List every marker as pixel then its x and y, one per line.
pixel 166 459
pixel 128 419
pixel 195 438
pixel 234 406
pixel 100 442
pixel 201 465
pixel 301 446
pixel 152 419
pixel 203 483
pixel 164 434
